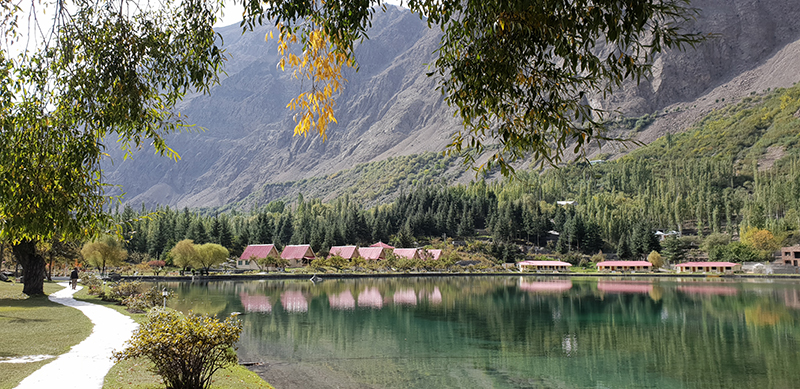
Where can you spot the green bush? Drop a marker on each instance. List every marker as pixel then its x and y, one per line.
pixel 121 290
pixel 142 302
pixel 185 350
pixel 93 283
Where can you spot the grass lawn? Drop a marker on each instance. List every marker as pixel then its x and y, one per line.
pixel 135 374
pixel 34 326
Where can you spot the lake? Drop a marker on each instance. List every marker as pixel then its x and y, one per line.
pixel 512 331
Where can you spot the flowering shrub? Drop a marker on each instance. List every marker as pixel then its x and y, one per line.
pixel 185 350
pixel 122 290
pixel 93 283
pixel 142 302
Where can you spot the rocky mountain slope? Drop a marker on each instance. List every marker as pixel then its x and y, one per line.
pixel 391 108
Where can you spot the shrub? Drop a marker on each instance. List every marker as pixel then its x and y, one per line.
pixel 185 350
pixel 122 290
pixel 142 302
pixel 93 282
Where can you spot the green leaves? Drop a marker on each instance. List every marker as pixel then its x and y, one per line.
pixel 185 350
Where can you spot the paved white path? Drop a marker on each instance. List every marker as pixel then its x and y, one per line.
pixel 88 362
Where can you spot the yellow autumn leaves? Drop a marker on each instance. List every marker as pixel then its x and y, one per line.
pixel 321 64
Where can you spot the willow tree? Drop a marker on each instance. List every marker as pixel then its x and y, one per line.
pixel 90 74
pixel 518 72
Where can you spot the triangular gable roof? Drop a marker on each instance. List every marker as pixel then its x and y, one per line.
pixel 297 251
pixel 259 251
pixel 346 252
pixel 406 253
pixel 372 253
pixel 434 254
pixel 382 245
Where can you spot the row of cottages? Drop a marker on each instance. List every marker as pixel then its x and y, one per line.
pixel 708 267
pixel 297 255
pixel 624 266
pixel 543 266
pixel 379 250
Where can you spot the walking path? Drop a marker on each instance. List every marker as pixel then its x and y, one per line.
pixel 88 362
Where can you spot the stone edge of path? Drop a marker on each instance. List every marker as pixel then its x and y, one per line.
pixel 86 364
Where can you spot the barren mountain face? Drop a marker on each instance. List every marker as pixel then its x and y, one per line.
pixel 390 107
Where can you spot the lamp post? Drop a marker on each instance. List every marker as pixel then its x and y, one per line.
pixel 164 294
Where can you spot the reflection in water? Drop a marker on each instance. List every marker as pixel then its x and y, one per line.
pixel 507 332
pixel 255 303
pixel 294 301
pixel 405 296
pixel 370 298
pixel 708 290
pixel 342 300
pixel 625 286
pixel 545 286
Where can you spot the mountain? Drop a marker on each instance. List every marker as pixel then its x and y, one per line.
pixel 390 108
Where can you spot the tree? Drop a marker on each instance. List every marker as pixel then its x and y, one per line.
pixel 674 249
pixel 106 251
pixel 208 255
pixel 518 72
pixel 184 254
pixel 90 72
pixel 655 258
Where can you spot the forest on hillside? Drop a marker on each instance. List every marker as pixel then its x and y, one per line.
pixel 728 189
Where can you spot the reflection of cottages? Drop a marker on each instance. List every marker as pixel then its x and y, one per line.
pixel 255 303
pixel 791 297
pixel 708 267
pixel 346 252
pixel 624 286
pixel 554 286
pixel 370 298
pixel 254 252
pixel 434 297
pixel 406 297
pixel 406 253
pixel 791 255
pixel 372 253
pixel 298 254
pixel 623 266
pixel 711 290
pixel 342 300
pixel 543 266
pixel 294 301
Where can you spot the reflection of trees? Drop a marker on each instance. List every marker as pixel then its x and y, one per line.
pixel 673 336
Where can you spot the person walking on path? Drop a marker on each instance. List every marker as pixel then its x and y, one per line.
pixel 73 278
pixel 85 365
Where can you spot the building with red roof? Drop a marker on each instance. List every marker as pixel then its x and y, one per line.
pixel 708 267
pixel 406 253
pixel 382 245
pixel 624 266
pixel 543 266
pixel 254 252
pixel 431 255
pixel 346 252
pixel 373 253
pixel 298 254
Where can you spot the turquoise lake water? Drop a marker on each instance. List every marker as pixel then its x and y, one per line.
pixel 512 332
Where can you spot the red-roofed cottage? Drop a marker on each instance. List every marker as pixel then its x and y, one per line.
pixel 708 267
pixel 346 252
pixel 406 253
pixel 543 266
pixel 373 253
pixel 431 255
pixel 254 252
pixel 624 266
pixel 298 254
pixel 382 245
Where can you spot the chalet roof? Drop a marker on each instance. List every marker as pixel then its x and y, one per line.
pixel 707 264
pixel 346 252
pixel 297 251
pixel 259 251
pixel 406 253
pixel 624 263
pixel 434 254
pixel 382 245
pixel 543 263
pixel 371 252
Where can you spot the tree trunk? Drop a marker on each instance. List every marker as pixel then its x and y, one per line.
pixel 33 267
